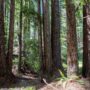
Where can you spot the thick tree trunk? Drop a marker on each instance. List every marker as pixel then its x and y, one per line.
pixel 11 38
pixel 86 40
pixel 56 44
pixel 72 64
pixel 2 40
pixel 47 67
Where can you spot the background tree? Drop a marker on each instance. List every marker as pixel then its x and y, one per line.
pixel 20 37
pixel 40 32
pixel 47 39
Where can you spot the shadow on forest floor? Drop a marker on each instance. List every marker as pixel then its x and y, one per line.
pixel 33 82
pixel 23 82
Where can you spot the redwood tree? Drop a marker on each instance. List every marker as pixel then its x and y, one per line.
pixel 2 40
pixel 55 32
pixel 72 63
pixel 86 40
pixel 20 37
pixel 47 67
pixel 40 31
pixel 11 37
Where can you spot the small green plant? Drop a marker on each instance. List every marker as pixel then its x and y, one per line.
pixel 62 77
pixel 30 88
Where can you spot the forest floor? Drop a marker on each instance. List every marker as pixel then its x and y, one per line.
pixel 32 82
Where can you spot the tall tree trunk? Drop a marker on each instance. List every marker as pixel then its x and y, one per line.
pixel 86 40
pixel 40 38
pixel 11 38
pixel 2 40
pixel 56 44
pixel 20 38
pixel 47 68
pixel 72 62
pixel 40 30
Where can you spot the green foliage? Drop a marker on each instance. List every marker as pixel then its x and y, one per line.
pixel 30 88
pixel 32 55
pixel 29 10
pixel 26 88
pixel 62 78
pixel 62 74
